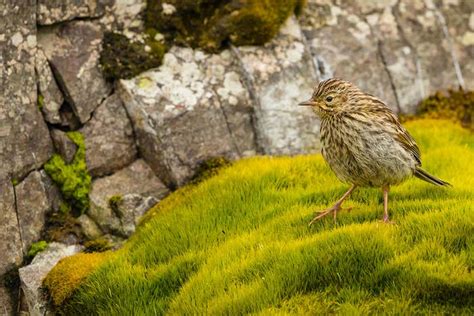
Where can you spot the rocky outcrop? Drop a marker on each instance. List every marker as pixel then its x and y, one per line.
pixel 64 145
pixel 24 139
pixel 51 12
pixel 73 51
pixel 192 108
pixel 32 275
pixel 109 193
pixel 281 74
pixel 109 139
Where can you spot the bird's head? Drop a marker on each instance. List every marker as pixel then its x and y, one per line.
pixel 330 96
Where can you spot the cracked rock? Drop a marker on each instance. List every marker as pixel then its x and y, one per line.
pixel 73 51
pixel 130 208
pixel 281 73
pixel 24 138
pixel 50 97
pixel 32 275
pixel 109 140
pixel 54 11
pixel 136 178
pixel 65 147
pixel 194 107
pixel 344 46
pixel 33 204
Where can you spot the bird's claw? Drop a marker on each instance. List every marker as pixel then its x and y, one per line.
pixel 334 209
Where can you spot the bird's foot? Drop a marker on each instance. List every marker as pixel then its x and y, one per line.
pixel 386 220
pixel 333 209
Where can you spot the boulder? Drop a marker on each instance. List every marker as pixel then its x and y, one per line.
pixel 33 203
pixel 109 140
pixel 24 139
pixel 6 304
pixel 73 51
pixel 194 107
pixel 32 275
pixel 54 11
pixel 106 192
pixel 122 16
pixel 130 208
pixel 50 98
pixel 281 74
pixel 343 45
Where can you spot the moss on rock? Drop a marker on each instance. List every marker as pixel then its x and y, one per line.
pixel 72 179
pixel 36 248
pixel 122 58
pixel 68 274
pixel 456 105
pixel 209 24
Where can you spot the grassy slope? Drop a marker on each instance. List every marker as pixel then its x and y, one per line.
pixel 239 242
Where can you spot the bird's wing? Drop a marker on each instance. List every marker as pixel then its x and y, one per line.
pixel 399 133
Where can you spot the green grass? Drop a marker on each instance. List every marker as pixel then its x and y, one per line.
pixel 239 243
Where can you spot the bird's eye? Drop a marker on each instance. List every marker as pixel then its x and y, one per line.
pixel 328 98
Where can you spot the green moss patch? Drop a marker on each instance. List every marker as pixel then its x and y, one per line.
pixel 456 105
pixel 123 59
pixel 36 248
pixel 209 24
pixel 239 243
pixel 72 179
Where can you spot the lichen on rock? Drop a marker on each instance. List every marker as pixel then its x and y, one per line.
pixel 210 24
pixel 73 179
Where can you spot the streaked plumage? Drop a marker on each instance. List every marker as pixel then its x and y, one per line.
pixel 363 140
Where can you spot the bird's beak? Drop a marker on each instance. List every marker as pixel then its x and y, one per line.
pixel 307 103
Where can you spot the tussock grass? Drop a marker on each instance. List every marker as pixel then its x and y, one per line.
pixel 239 243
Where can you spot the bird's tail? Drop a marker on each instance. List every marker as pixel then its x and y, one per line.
pixel 423 175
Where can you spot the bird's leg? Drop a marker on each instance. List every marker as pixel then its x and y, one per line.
pixel 385 204
pixel 336 207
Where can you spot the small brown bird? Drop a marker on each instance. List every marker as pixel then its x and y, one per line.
pixel 363 141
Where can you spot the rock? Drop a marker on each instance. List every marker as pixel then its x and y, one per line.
pixel 420 27
pixel 89 227
pixel 343 45
pixel 194 107
pixel 10 236
pixel 24 139
pixel 122 15
pixel 109 140
pixel 137 178
pixel 6 304
pixel 32 276
pixel 73 51
pixel 459 24
pixel 130 208
pixel 281 74
pixel 33 204
pixel 51 11
pixel 64 145
pixel 50 98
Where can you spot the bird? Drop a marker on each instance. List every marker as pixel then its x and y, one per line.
pixel 363 142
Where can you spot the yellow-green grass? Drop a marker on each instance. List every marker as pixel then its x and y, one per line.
pixel 239 242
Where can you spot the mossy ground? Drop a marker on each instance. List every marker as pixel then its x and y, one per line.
pixel 239 243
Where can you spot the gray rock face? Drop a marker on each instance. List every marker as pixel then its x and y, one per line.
pixel 130 209
pixel 459 19
pixel 344 46
pixel 33 204
pixel 55 11
pixel 10 237
pixel 281 74
pixel 73 51
pixel 24 139
pixel 50 97
pixel 6 304
pixel 109 139
pixel 122 15
pixel 195 106
pixel 64 145
pixel 137 178
pixel 32 276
